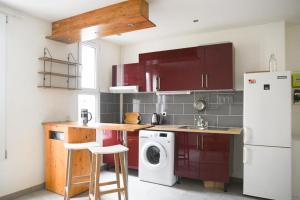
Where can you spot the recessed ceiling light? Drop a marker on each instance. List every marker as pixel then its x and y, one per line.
pixel 131 24
pixel 196 20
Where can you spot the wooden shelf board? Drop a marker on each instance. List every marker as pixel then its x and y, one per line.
pixel 59 74
pixel 48 59
pixel 55 87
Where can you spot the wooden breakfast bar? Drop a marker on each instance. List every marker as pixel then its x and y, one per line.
pixel 58 133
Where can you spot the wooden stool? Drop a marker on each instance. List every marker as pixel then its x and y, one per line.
pixel 70 181
pixel 119 154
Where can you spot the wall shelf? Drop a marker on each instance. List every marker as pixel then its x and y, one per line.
pixel 59 74
pixel 71 74
pixel 56 87
pixel 49 59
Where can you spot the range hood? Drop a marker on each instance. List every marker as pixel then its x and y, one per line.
pixel 124 89
pixel 120 88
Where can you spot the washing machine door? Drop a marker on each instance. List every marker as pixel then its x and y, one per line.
pixel 154 155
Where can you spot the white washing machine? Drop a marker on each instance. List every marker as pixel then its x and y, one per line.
pixel 156 157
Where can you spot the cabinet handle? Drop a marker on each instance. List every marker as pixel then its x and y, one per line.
pixel 206 79
pixel 202 76
pixel 158 83
pixel 197 141
pixel 202 139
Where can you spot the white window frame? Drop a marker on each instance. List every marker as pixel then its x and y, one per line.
pixel 91 91
pixel 3 145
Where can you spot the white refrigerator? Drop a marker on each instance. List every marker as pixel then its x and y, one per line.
pixel 267 135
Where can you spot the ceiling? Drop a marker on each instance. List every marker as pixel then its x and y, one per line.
pixel 173 17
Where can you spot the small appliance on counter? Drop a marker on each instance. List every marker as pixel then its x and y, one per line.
pixel 156 119
pixel 86 116
pixel 297 96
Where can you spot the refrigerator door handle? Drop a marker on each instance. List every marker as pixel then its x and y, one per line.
pixel 246 135
pixel 245 155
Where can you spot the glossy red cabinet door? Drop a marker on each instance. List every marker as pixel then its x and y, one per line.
pixel 113 138
pixel 187 155
pixel 133 75
pixel 214 157
pixel 218 66
pixel 178 69
pixel 133 153
pixel 202 156
pixel 110 138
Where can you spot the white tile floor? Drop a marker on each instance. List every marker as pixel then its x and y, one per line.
pixel 138 190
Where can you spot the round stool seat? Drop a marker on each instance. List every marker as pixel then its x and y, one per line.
pixel 109 149
pixel 81 146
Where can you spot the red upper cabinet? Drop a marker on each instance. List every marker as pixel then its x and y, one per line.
pixel 197 68
pixel 133 74
pixel 218 66
pixel 171 70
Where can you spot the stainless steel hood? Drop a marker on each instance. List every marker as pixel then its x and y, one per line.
pixel 124 89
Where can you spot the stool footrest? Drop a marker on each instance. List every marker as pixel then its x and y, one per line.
pixel 81 183
pixel 111 191
pixel 107 183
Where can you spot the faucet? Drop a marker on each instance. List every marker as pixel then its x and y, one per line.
pixel 201 123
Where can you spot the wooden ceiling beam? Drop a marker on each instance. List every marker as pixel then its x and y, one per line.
pixel 115 19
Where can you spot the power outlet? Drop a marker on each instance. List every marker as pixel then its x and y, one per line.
pixel 164 114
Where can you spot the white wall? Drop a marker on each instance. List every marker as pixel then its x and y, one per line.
pixel 293 64
pixel 110 54
pixel 253 46
pixel 29 106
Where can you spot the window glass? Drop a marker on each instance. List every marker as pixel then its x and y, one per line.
pixel 88 60
pixel 87 102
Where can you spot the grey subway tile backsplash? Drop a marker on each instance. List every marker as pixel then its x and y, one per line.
pixel 163 99
pixel 184 98
pixel 224 108
pixel 184 119
pixel 109 108
pixel 220 109
pixel 174 109
pixel 230 121
pixel 236 109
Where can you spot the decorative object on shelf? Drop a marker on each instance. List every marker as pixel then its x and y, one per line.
pixel 72 72
pixel 296 80
pixel 297 96
pixel 86 116
pixel 272 63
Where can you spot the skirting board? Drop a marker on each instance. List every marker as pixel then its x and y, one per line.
pixel 23 192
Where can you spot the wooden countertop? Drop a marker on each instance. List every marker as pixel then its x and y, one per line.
pixel 176 128
pixel 136 127
pixel 100 126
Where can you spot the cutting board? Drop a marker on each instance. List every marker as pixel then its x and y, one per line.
pixel 132 118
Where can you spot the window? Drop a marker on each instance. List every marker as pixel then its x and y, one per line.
pixel 86 101
pixel 88 60
pixel 2 86
pixel 88 97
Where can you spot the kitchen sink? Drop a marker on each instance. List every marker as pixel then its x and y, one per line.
pixel 198 128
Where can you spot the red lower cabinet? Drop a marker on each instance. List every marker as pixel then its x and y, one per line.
pixel 114 138
pixel 110 138
pixel 133 153
pixel 202 156
pixel 187 155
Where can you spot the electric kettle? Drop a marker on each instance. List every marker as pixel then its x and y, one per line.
pixel 155 120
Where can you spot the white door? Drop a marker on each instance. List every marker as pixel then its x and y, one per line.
pixel 267 172
pixel 267 109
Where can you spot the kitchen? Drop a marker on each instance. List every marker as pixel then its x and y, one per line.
pixel 252 44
